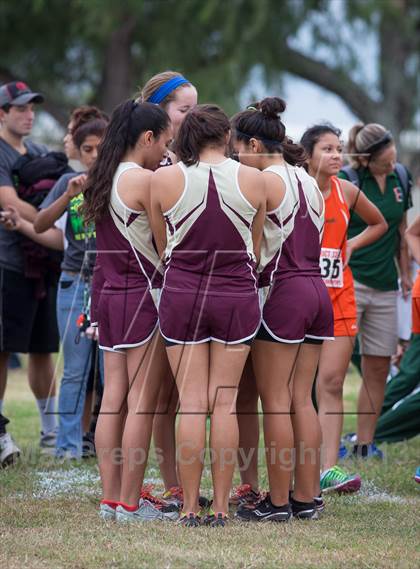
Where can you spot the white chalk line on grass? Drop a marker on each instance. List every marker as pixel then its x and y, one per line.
pixel 82 482
pixel 369 492
pixel 74 481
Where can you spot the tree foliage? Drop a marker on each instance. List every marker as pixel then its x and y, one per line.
pixel 102 50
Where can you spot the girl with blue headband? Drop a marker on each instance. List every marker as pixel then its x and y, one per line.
pixel 177 96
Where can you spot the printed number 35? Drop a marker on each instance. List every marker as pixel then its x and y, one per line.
pixel 330 268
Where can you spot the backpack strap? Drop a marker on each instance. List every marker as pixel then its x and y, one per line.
pixel 400 170
pixel 403 177
pixel 352 175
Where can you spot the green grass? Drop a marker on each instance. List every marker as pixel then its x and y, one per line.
pixel 48 516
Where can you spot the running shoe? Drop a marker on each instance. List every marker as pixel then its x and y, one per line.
pixel 146 512
pixel 417 475
pixel 367 451
pixel 244 494
pixel 343 452
pixel 9 452
pixel 175 495
pixel 189 520
pixel 215 520
pixel 319 503
pixel 304 510
pixel 264 511
pixel 107 510
pixel 47 442
pixel 335 479
pixel 349 438
pixel 88 445
pixel 204 502
pixel 170 511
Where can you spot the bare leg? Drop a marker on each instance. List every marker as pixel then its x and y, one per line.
pixel 249 426
pixel 144 365
pixel 111 419
pixel 87 412
pixel 41 375
pixel 274 368
pixel 375 370
pixel 333 365
pixel 190 367
pixel 164 429
pixel 4 360
pixel 306 427
pixel 226 366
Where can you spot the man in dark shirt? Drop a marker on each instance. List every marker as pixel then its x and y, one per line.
pixel 27 324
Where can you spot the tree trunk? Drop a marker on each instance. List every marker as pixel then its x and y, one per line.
pixel 398 42
pixel 116 84
pixel 397 82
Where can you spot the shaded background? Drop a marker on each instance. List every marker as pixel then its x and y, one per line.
pixel 340 60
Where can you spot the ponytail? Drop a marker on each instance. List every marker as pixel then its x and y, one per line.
pixel 262 121
pixel 368 140
pixel 351 145
pixel 127 123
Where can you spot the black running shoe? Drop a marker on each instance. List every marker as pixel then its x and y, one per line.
pixel 88 446
pixel 215 520
pixel 265 511
pixel 304 510
pixel 189 520
pixel 319 503
pixel 204 502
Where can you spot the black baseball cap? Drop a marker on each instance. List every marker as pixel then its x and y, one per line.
pixel 18 93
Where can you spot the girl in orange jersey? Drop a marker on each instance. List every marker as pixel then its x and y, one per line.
pixel 324 149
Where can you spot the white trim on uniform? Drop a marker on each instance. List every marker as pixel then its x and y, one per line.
pixel 105 349
pixel 120 347
pixel 345 216
pixel 209 339
pixel 319 337
pixel 183 169
pixel 278 338
pixel 182 342
pixel 133 167
pixel 241 341
pixel 339 191
pixel 238 187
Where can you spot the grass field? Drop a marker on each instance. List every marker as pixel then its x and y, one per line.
pixel 48 516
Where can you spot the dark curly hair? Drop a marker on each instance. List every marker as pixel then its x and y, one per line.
pixel 262 121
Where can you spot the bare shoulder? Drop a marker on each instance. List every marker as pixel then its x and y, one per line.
pixel 250 173
pixel 272 180
pixel 349 189
pixel 249 177
pixel 251 183
pixel 135 177
pixel 167 173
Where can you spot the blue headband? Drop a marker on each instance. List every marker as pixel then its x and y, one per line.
pixel 160 94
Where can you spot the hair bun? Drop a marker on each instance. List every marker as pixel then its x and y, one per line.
pixel 271 107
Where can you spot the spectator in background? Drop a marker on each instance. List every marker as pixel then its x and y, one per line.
pixel 87 126
pixel 374 169
pixel 28 324
pixel 400 417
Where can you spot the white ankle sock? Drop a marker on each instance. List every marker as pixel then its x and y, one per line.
pixel 47 411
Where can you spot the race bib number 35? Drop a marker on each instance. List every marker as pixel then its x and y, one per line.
pixel 331 264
